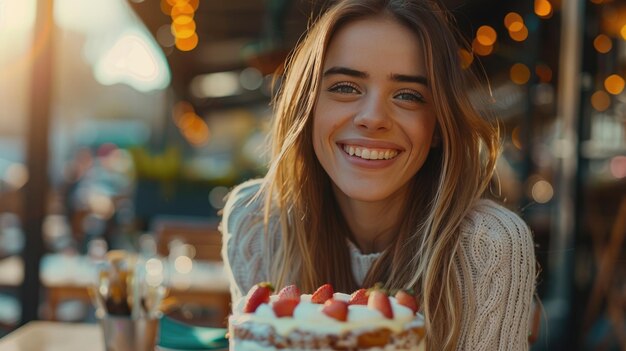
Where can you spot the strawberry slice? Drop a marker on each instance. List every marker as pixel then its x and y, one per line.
pixel 379 300
pixel 322 294
pixel 258 294
pixel 290 292
pixel 358 297
pixel 407 299
pixel 284 307
pixel 336 309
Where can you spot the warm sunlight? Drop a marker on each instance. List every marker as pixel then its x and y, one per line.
pixel 133 60
pixel 118 46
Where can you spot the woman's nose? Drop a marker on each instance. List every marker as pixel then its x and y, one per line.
pixel 373 115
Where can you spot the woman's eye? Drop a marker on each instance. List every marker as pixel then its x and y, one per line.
pixel 344 88
pixel 410 96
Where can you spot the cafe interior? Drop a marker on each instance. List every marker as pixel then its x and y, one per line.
pixel 125 123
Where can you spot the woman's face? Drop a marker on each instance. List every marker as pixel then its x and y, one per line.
pixel 374 119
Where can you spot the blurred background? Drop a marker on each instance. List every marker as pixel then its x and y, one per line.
pixel 124 123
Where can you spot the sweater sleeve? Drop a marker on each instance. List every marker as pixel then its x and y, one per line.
pixel 243 241
pixel 496 266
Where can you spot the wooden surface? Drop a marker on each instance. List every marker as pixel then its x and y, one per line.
pixel 54 336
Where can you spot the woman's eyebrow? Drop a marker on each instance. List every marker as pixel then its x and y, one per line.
pixel 345 71
pixel 404 78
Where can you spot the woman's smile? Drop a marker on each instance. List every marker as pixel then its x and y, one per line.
pixel 369 153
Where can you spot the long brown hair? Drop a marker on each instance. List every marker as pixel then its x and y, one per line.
pixel 313 249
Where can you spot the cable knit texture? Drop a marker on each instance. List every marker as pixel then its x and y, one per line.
pixel 495 265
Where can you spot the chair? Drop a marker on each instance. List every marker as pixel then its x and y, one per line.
pixel 203 235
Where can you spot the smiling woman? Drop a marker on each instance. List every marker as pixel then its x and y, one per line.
pixel 379 167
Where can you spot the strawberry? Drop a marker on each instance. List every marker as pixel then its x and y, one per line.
pixel 258 294
pixel 407 299
pixel 358 297
pixel 336 309
pixel 285 307
pixel 379 300
pixel 290 292
pixel 322 294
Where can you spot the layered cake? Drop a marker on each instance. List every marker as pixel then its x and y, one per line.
pixel 325 320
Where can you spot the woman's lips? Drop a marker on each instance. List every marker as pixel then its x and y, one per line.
pixel 369 153
pixel 369 157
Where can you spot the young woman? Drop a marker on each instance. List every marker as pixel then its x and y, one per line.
pixel 379 162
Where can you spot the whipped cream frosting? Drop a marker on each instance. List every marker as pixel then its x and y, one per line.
pixel 308 317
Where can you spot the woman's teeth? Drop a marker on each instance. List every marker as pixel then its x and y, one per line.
pixel 370 154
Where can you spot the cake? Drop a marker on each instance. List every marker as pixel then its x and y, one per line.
pixel 325 320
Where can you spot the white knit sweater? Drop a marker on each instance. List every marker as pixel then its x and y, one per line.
pixel 495 266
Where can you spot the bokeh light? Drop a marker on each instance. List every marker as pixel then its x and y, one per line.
pixel 166 7
pixel 520 74
pixel 180 109
pixel 165 37
pixel 183 264
pixel 617 167
pixel 187 44
pixel 600 101
pixel 542 191
pixel 486 35
pixel 544 72
pixel 543 8
pixel 513 21
pixel 519 35
pixel 602 44
pixel 251 78
pixel 614 84
pixel 217 196
pixel 154 266
pixel 196 132
pixel 16 175
pixel 480 49
pixel 182 9
pixel 183 27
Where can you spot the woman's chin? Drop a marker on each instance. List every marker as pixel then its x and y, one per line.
pixel 365 192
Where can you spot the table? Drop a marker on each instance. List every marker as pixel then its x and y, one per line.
pixel 54 336
pixel 58 336
pixel 69 276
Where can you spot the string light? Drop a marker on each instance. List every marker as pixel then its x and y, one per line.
pixel 183 26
